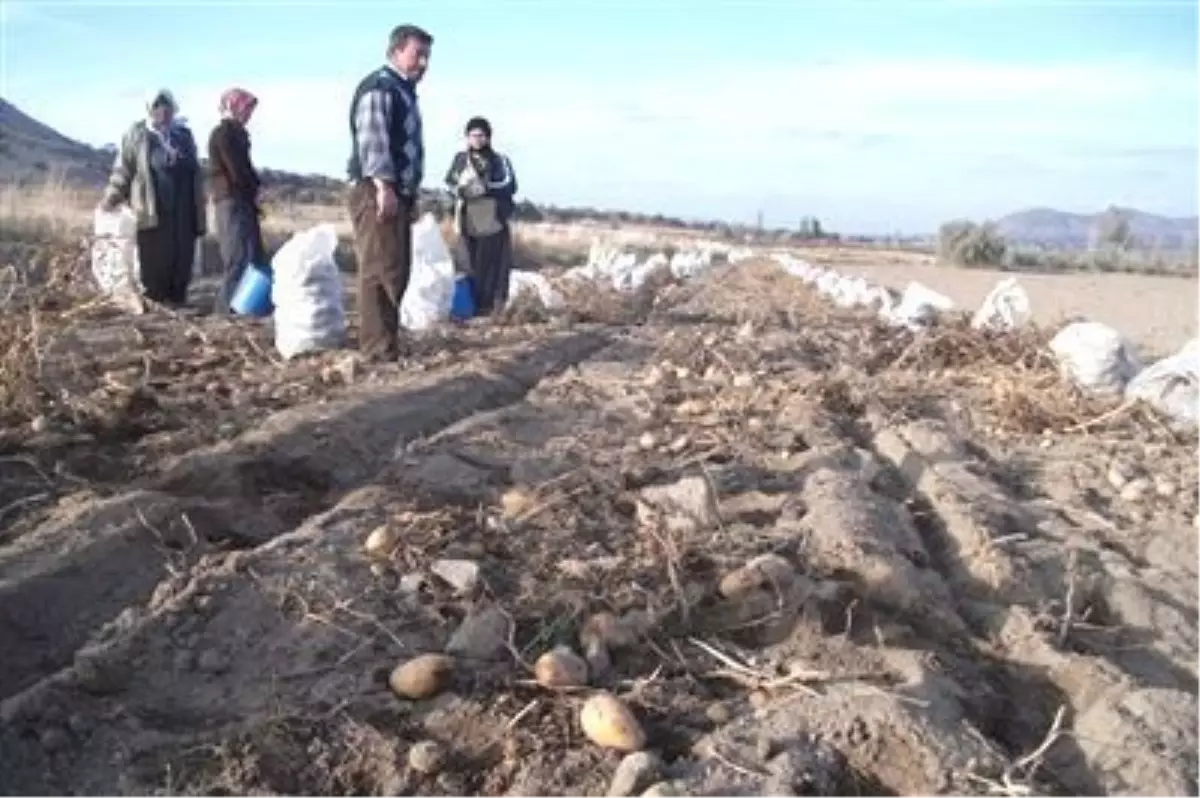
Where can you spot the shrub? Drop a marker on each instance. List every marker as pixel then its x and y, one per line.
pixel 965 243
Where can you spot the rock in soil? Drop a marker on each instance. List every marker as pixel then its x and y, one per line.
pixel 1136 490
pixel 686 504
pixel 462 575
pixel 427 757
pixel 482 635
pixel 636 772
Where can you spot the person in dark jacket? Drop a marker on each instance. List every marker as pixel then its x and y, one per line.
pixel 157 171
pixel 387 162
pixel 484 183
pixel 234 186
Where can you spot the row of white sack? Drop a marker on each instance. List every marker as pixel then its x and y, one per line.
pixel 1006 307
pixel 1100 360
pixel 307 290
pixel 622 270
pixel 310 312
pixel 1093 356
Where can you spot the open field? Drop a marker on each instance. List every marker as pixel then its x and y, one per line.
pixel 1159 313
pixel 809 553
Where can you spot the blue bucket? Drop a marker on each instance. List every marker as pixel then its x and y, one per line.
pixel 253 294
pixel 462 306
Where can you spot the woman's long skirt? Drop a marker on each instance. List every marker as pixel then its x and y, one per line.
pixel 491 260
pixel 165 255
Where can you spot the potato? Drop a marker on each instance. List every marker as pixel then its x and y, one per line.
pixel 381 542
pixel 605 628
pixel 422 677
pixel 768 571
pixel 515 501
pixel 608 723
pixel 560 667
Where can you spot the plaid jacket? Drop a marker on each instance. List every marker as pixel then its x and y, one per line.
pixel 386 132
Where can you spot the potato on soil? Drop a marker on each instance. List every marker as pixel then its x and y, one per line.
pixel 381 542
pixel 769 571
pixel 422 677
pixel 606 628
pixel 516 501
pixel 560 667
pixel 608 723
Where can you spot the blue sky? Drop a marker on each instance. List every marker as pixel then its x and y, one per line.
pixel 875 116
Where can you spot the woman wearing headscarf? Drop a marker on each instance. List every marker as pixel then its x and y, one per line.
pixel 484 183
pixel 234 185
pixel 157 172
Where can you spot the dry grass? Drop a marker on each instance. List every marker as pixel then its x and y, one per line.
pixel 56 209
pixel 55 212
pixel 1011 378
pixel 46 213
pixel 34 303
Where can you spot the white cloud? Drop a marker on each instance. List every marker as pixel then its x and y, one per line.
pixel 922 138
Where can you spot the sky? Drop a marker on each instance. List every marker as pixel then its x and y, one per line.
pixel 873 116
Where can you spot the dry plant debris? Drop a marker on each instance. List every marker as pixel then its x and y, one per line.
pixel 696 542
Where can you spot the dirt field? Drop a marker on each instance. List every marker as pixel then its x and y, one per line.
pixel 835 558
pixel 1157 313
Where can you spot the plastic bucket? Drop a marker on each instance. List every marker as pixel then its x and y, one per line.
pixel 253 294
pixel 462 306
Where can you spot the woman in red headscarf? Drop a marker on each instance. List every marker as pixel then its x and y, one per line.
pixel 234 185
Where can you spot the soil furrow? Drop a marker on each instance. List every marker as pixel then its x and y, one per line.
pixel 57 586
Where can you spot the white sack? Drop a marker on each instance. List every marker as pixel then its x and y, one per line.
pixel 431 283
pixel 1007 307
pixel 310 313
pixel 1095 357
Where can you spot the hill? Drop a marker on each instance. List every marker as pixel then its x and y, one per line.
pixel 31 152
pixel 1056 229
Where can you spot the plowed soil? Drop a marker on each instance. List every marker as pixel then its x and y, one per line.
pixel 982 584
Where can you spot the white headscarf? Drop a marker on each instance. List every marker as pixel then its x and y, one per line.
pixel 162 97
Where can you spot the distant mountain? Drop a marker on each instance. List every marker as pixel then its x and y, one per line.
pixel 31 152
pixel 1046 227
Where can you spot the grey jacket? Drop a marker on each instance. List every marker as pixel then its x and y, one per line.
pixel 131 180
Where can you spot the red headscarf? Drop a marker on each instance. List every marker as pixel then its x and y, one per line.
pixel 236 103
